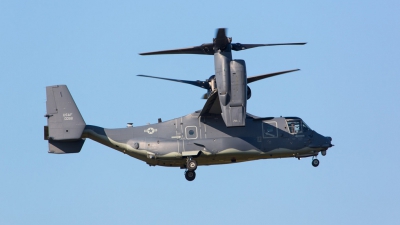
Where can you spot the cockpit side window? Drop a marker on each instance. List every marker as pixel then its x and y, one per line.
pixel 297 126
pixel 270 129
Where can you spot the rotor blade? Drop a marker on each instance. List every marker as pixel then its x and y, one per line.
pixel 260 77
pixel 239 46
pixel 204 49
pixel 201 84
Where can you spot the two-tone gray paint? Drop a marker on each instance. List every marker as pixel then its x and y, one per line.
pixel 208 140
pixel 203 138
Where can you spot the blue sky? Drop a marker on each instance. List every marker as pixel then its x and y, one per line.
pixel 348 88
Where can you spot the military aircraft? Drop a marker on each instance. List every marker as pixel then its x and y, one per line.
pixel 221 132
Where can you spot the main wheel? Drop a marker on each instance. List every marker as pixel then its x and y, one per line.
pixel 190 175
pixel 315 162
pixel 191 165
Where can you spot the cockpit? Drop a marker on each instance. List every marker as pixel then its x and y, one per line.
pixel 296 125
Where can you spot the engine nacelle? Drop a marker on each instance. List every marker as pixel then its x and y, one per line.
pixel 235 114
pixel 238 83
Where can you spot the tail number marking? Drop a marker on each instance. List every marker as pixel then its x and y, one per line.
pixel 68 116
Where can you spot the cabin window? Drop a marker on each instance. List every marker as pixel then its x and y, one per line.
pixel 191 132
pixel 270 130
pixel 297 126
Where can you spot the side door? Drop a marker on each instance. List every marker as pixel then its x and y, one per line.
pixel 269 135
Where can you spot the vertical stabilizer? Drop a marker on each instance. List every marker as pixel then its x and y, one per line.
pixel 64 121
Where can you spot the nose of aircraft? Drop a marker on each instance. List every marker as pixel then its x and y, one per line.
pixel 320 141
pixel 329 141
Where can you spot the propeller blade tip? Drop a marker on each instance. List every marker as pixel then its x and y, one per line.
pixel 221 32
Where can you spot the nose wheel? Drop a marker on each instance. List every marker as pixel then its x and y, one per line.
pixel 315 162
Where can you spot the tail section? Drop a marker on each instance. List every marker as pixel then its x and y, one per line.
pixel 65 124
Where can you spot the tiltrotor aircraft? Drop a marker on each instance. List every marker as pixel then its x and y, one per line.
pixel 221 132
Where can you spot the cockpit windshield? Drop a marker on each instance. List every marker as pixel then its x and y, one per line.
pixel 297 126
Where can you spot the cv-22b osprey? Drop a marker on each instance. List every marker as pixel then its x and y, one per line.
pixel 220 133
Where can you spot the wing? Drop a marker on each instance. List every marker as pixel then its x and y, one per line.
pixel 212 105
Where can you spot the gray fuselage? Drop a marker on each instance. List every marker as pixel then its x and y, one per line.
pixel 207 139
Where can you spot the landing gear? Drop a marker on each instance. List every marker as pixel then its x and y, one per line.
pixel 191 166
pixel 190 175
pixel 315 162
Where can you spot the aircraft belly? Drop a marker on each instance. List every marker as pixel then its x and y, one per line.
pixel 227 156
